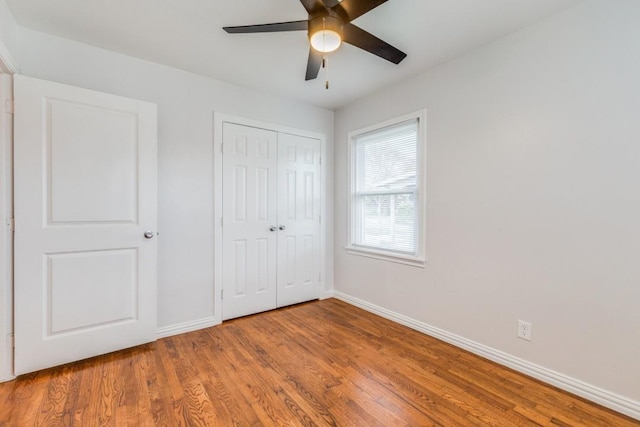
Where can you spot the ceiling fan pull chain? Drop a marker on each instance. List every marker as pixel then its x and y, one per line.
pixel 324 33
pixel 325 63
pixel 325 56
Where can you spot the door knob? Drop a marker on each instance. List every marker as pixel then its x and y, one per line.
pixel 272 228
pixel 148 234
pixel 282 227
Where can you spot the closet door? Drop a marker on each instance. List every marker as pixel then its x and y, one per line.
pixel 298 219
pixel 249 220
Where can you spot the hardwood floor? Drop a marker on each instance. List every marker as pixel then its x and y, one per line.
pixel 320 363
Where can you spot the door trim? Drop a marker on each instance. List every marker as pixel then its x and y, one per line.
pixel 218 119
pixel 6 232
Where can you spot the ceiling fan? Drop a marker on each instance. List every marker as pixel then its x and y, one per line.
pixel 329 24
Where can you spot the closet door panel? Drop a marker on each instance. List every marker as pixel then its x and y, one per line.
pixel 298 219
pixel 249 213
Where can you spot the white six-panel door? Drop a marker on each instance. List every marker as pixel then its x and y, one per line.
pixel 85 194
pixel 271 219
pixel 249 214
pixel 298 218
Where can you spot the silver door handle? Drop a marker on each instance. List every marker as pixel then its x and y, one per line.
pixel 282 227
pixel 148 234
pixel 272 228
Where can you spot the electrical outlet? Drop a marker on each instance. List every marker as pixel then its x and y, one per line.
pixel 524 330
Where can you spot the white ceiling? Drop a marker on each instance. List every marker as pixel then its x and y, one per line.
pixel 187 34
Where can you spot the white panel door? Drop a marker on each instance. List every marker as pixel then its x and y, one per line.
pixel 85 194
pixel 298 219
pixel 249 219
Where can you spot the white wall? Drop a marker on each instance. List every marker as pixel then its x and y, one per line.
pixel 8 42
pixel 533 196
pixel 186 103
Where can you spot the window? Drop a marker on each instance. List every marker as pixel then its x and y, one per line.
pixel 387 190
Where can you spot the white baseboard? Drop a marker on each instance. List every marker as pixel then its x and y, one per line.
pixel 7 379
pixel 181 328
pixel 328 294
pixel 595 394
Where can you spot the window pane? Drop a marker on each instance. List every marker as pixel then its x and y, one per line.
pixel 385 166
pixel 385 213
pixel 386 159
pixel 388 222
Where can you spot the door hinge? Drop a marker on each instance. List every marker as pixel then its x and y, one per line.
pixel 10 223
pixel 8 106
pixel 11 339
pixel 221 294
pixel 221 221
pixel 320 219
pixel 222 148
pixel 320 160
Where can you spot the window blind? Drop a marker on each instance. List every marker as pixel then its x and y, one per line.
pixel 385 190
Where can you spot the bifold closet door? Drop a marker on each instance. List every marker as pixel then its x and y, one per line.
pixel 298 219
pixel 271 220
pixel 249 215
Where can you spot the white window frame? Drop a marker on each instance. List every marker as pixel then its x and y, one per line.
pixel 418 259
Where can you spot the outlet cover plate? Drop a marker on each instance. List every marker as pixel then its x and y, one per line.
pixel 524 330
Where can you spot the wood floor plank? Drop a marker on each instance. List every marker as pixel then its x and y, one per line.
pixel 323 363
pixel 29 396
pixel 86 371
pixel 61 390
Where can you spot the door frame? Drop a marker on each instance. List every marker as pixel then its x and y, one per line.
pixel 7 68
pixel 220 118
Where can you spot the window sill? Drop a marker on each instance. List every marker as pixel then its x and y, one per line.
pixel 387 256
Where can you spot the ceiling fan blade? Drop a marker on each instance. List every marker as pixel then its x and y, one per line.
pixel 312 6
pixel 313 64
pixel 364 40
pixel 355 8
pixel 269 28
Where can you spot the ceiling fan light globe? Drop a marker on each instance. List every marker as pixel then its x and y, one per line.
pixel 325 40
